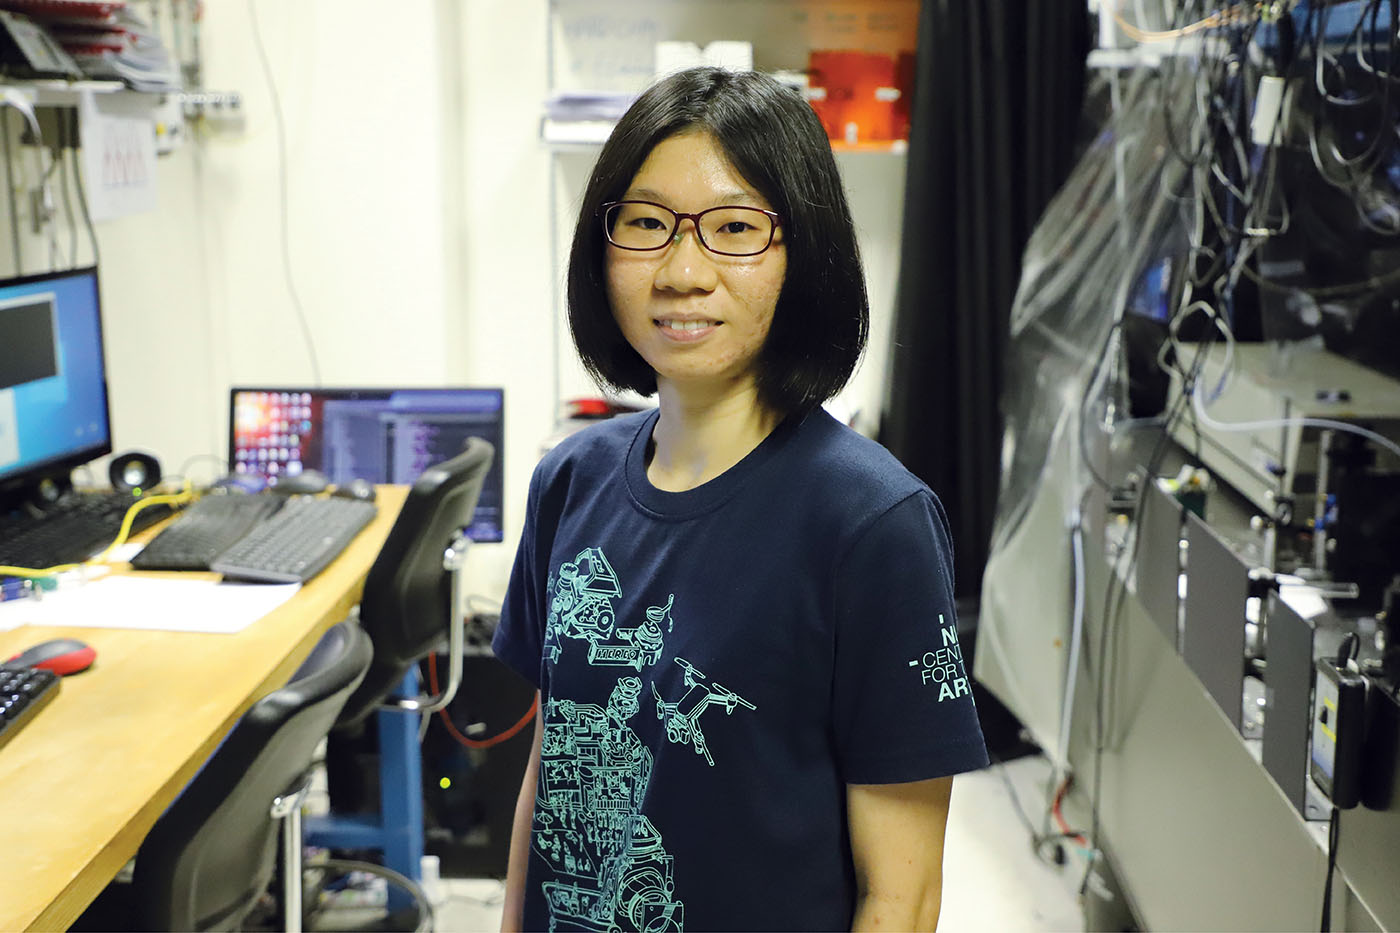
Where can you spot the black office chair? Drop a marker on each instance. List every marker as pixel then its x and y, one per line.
pixel 212 854
pixel 408 606
pixel 411 603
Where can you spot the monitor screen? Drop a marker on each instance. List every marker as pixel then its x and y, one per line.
pixel 380 435
pixel 53 380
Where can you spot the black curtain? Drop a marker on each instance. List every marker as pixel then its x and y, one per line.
pixel 994 126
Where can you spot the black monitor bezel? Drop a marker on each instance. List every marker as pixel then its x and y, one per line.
pixel 58 467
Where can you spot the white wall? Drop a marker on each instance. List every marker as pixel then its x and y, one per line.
pixel 419 210
pixel 505 267
pixel 195 292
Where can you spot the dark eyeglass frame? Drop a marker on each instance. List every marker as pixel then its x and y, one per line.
pixel 603 209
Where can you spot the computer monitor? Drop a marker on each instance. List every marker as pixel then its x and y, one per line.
pixel 388 435
pixel 53 379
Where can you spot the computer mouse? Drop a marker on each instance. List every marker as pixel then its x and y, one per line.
pixel 307 482
pixel 60 655
pixel 361 489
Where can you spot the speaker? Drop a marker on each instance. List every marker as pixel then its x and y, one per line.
pixel 133 471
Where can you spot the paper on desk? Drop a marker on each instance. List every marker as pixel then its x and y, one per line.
pixel 17 612
pixel 162 603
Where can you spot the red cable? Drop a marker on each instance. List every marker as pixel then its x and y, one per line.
pixel 1055 809
pixel 452 727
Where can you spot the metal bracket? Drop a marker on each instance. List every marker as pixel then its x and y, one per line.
pixel 287 808
pixel 452 559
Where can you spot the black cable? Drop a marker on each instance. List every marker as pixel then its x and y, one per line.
pixel 67 184
pixel 426 915
pixel 82 201
pixel 1000 767
pixel 1039 838
pixel 1355 169
pixel 1334 832
pixel 1351 644
pixel 1383 130
pixel 45 188
pixel 1183 15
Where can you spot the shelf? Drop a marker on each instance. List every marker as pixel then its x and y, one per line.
pixel 55 92
pixel 882 147
pixel 575 133
pixel 572 135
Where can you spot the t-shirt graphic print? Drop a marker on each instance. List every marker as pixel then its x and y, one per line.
pixel 594 769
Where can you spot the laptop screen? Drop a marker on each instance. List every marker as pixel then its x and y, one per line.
pixel 382 435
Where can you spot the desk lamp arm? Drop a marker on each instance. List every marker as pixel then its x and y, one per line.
pixel 452 559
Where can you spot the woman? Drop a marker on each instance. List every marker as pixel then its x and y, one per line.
pixel 738 612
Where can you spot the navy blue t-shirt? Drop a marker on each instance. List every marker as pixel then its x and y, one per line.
pixel 716 666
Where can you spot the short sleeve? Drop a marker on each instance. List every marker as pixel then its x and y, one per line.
pixel 902 704
pixel 518 640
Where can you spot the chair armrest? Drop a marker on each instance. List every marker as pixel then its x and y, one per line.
pixel 452 560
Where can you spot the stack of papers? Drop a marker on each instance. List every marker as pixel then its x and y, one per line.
pixel 107 40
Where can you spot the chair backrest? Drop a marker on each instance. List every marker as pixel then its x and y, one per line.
pixel 213 852
pixel 406 607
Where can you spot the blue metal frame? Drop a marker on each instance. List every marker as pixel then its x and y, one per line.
pixel 397 830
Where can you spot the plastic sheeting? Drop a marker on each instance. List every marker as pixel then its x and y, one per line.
pixel 1123 208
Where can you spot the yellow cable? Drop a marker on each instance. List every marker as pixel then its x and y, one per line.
pixel 178 498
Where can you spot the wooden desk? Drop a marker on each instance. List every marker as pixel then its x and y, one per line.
pixel 82 784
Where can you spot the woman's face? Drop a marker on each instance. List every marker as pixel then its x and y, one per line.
pixel 699 319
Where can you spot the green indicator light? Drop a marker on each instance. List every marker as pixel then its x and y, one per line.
pixel 444 783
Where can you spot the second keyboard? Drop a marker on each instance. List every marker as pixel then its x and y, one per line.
pixel 205 530
pixel 297 542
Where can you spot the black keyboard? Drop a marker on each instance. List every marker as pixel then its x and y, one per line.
pixel 23 692
pixel 71 530
pixel 298 541
pixel 205 530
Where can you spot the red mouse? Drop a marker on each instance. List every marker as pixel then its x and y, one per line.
pixel 60 655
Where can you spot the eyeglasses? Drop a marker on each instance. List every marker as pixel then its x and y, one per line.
pixel 728 231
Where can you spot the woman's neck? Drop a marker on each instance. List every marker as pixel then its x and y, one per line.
pixel 701 434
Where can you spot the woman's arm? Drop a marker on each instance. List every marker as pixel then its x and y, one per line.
pixel 897 841
pixel 513 915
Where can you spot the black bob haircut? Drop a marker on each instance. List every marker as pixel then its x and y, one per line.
pixel 776 142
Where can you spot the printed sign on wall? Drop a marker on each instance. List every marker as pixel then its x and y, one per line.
pixel 118 154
